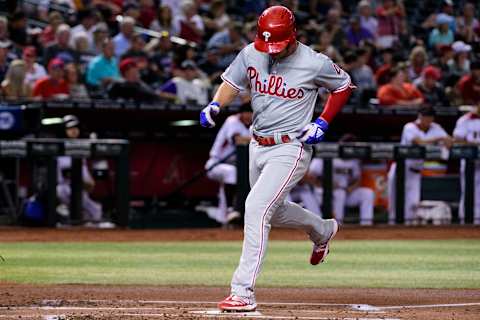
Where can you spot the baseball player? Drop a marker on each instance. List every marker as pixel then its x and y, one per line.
pixel 347 190
pixel 422 131
pixel 283 77
pixel 235 129
pixel 92 210
pixel 467 130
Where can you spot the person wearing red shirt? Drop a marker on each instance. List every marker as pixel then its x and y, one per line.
pixel 469 85
pixel 391 22
pixel 398 92
pixel 54 84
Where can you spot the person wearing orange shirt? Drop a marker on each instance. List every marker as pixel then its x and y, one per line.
pixel 398 92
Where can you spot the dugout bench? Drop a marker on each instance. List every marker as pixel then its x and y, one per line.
pixel 78 149
pixel 374 151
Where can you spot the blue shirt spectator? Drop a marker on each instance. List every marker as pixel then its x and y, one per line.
pixel 103 69
pixel 123 39
pixel 442 34
pixel 227 44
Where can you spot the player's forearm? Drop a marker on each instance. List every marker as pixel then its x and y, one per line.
pixel 225 94
pixel 334 103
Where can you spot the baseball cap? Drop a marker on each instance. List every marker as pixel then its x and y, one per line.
pixel 443 18
pixel 460 46
pixel 70 121
pixel 364 3
pixel 56 63
pixel 5 44
pixel 127 64
pixel 30 51
pixel 432 72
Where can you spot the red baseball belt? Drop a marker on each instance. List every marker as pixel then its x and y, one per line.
pixel 270 141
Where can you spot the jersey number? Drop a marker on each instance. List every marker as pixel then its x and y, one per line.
pixel 337 68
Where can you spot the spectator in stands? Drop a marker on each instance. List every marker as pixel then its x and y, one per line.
pixel 47 37
pixel 445 55
pixel 162 61
pixel 35 70
pixel 333 25
pixel 357 34
pixel 123 39
pixel 82 48
pixel 469 85
pixel 467 24
pixel 60 46
pixel 4 29
pixel 398 92
pixel 211 66
pixel 4 61
pixel 460 64
pixel 100 33
pixel 217 18
pixel 130 87
pixel 14 87
pixel 442 34
pixel 77 89
pixel 189 24
pixel 367 20
pixel 86 19
pixel 103 69
pixel 391 22
pixel 164 21
pixel 446 9
pixel 227 43
pixel 417 62
pixel 325 46
pixel 362 76
pixel 137 51
pixel 385 63
pixel 433 92
pixel 187 86
pixel 53 86
pixel 147 13
pixel 17 29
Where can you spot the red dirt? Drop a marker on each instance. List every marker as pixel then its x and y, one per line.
pixel 153 302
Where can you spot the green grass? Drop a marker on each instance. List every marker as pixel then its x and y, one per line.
pixel 398 264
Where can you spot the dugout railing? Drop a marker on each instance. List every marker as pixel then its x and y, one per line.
pixel 375 151
pixel 49 149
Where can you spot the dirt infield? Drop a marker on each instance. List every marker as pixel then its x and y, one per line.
pixel 153 302
pixel 347 232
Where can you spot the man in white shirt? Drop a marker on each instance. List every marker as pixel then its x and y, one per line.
pixel 236 129
pixel 123 39
pixel 35 70
pixel 422 131
pixel 467 130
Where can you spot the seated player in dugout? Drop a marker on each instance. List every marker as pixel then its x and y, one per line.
pixel 91 210
pixel 347 189
pixel 221 166
pixel 423 131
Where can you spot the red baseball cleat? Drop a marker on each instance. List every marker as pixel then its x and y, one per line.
pixel 236 303
pixel 321 251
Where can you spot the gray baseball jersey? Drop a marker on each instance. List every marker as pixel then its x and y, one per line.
pixel 284 92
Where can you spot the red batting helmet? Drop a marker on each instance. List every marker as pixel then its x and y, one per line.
pixel 275 30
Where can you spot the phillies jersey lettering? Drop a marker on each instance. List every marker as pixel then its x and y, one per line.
pixel 274 86
pixel 284 91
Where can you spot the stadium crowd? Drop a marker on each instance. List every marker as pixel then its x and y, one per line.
pixel 399 53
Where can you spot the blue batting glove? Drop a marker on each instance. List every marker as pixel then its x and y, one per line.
pixel 314 132
pixel 208 113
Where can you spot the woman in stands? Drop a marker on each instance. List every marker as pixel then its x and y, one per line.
pixel 399 92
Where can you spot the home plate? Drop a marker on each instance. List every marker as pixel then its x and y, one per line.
pixel 365 307
pixel 233 314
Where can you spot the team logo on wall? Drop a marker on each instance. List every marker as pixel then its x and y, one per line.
pixel 7 121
